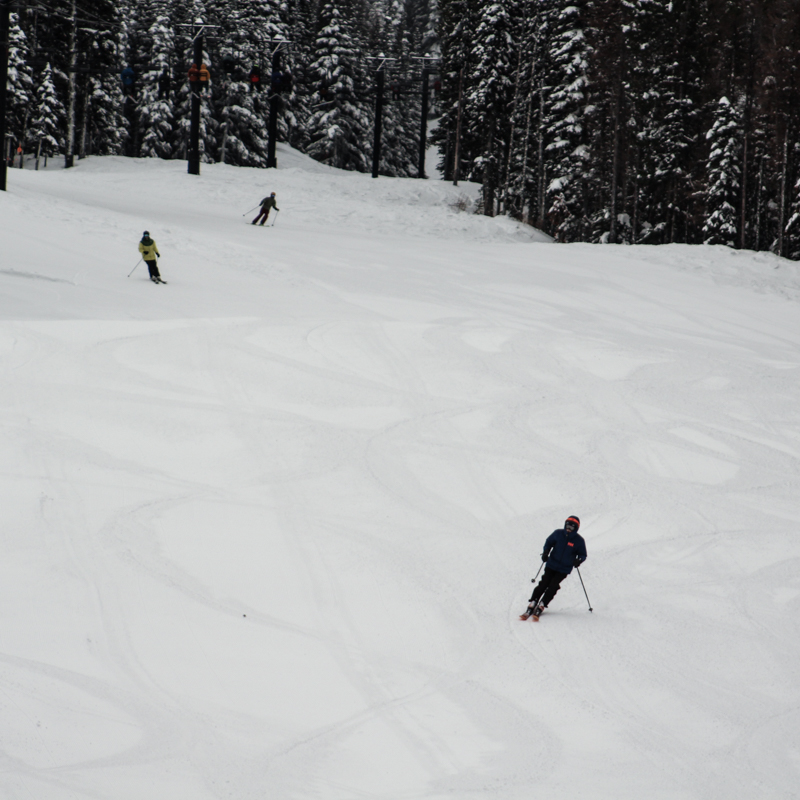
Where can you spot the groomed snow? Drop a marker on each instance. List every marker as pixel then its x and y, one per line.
pixel 267 530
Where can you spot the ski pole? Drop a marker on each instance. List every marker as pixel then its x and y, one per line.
pixel 277 211
pixel 250 211
pixel 134 269
pixel 584 587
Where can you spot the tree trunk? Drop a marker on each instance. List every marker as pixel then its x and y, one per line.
pixel 759 203
pixel 612 235
pixel 540 166
pixel 224 142
pixel 743 214
pixel 635 219
pixel 784 169
pixel 72 90
pixel 457 156
pixel 526 217
pixel 673 209
pixel 511 134
pixel 85 121
pixel 489 174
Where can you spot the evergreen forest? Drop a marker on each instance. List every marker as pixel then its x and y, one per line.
pixel 619 121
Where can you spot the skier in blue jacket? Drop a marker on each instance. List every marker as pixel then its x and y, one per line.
pixel 563 550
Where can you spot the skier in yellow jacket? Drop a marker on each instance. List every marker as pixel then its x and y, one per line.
pixel 149 251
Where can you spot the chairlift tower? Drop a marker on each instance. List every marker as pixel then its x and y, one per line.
pixel 430 65
pixel 380 74
pixel 198 28
pixel 277 46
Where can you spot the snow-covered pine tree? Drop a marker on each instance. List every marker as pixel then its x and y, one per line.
pixel 241 106
pixel 107 131
pixel 20 91
pixel 253 33
pixel 792 231
pixel 401 109
pixel 422 18
pixel 610 32
pixel 778 116
pixel 491 92
pixel 457 30
pixel 740 65
pixel 565 107
pixel 155 56
pixel 45 132
pixel 529 159
pixel 71 74
pixel 102 128
pixel 302 34
pixel 520 166
pixel 130 36
pixel 290 106
pixel 63 34
pixel 668 74
pixel 723 174
pixel 46 35
pixel 339 129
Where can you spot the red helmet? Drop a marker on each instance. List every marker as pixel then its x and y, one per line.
pixel 572 522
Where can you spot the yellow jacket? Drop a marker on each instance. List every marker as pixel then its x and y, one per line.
pixel 149 249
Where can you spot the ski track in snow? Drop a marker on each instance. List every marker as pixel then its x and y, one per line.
pixel 269 528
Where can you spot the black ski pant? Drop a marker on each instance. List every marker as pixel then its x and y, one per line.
pixel 263 213
pixel 547 587
pixel 153 267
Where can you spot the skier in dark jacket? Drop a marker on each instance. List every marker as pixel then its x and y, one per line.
pixel 149 250
pixel 266 204
pixel 563 550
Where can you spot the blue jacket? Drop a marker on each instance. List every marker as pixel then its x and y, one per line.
pixel 565 551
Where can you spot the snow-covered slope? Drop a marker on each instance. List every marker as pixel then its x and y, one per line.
pixel 267 529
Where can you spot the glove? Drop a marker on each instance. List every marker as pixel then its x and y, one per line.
pixel 158 254
pixel 545 556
